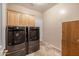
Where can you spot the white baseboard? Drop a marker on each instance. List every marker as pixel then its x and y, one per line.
pixel 54 46
pixel 1 53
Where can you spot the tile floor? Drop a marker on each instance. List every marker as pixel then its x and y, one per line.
pixel 46 50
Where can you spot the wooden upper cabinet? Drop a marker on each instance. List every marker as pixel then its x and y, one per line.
pixel 31 21
pixel 13 18
pixel 20 19
pixel 23 21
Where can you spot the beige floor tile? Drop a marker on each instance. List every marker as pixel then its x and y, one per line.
pixel 45 50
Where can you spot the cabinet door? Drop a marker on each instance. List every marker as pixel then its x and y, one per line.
pixel 16 18
pixel 31 21
pixel 10 20
pixel 13 18
pixel 26 20
pixel 23 21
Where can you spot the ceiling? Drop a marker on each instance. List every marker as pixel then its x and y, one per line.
pixel 41 7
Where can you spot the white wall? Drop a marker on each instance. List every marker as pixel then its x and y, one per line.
pixel 53 20
pixel 3 25
pixel 39 23
pixel 0 25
